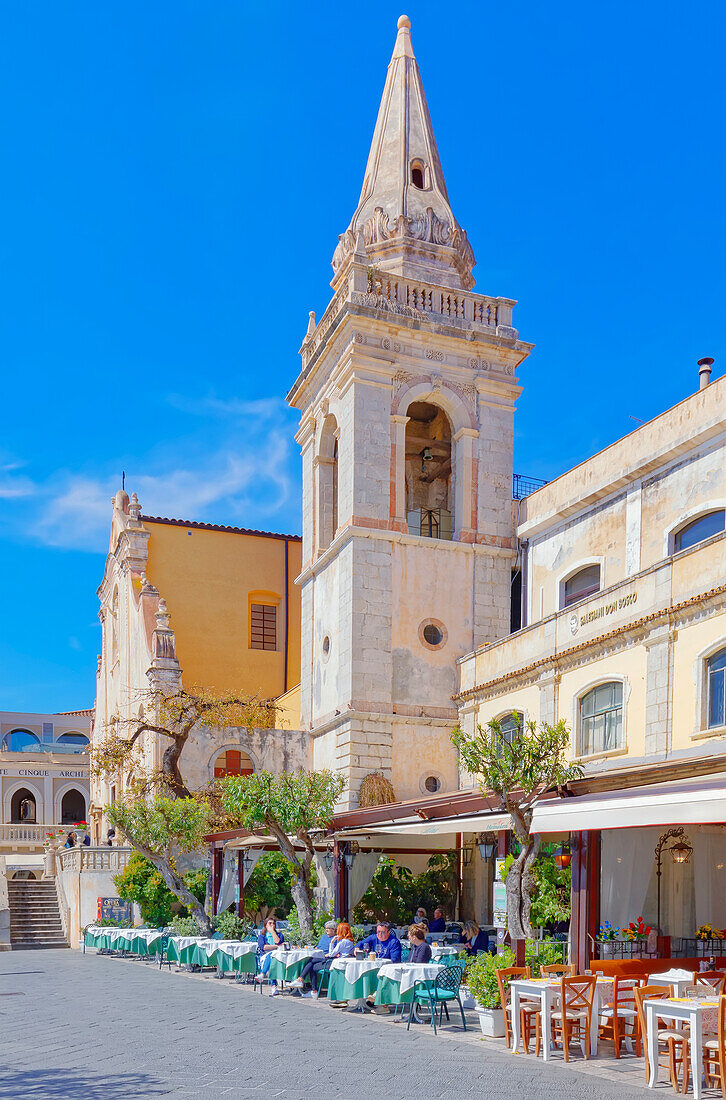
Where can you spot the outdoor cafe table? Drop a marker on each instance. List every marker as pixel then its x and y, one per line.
pixel 396 981
pixel 140 941
pixel 352 979
pixel 287 963
pixel 678 980
pixel 546 990
pixel 238 956
pixel 186 950
pixel 443 951
pixel 701 1014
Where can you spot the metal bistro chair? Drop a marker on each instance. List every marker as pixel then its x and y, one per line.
pixel 436 992
pixel 163 948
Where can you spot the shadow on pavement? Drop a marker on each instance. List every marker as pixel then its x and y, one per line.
pixel 59 1084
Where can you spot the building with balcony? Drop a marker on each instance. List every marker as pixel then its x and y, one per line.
pixel 44 782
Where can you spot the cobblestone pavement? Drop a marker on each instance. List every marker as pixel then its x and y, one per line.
pixel 97 1027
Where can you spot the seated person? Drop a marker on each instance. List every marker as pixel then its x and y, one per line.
pixel 267 941
pixel 421 917
pixel 420 951
pixel 341 947
pixel 437 923
pixel 312 967
pixel 474 940
pixel 328 935
pixel 383 942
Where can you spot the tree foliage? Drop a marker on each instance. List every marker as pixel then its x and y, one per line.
pixel 289 807
pixel 395 893
pixel 268 889
pixel 142 882
pixel 515 770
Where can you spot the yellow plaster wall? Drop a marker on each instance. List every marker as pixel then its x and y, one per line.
pixel 689 710
pixel 206 578
pixel 288 709
pixel 524 699
pixel 419 752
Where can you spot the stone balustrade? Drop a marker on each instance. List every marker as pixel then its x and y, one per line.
pixel 28 835
pixel 82 859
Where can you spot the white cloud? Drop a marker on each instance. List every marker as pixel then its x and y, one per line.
pixel 13 486
pixel 254 412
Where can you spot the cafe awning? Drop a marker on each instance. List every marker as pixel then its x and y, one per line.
pixel 694 801
pixel 442 827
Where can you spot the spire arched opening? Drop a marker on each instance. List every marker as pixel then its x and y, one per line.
pixel 328 483
pixel 429 472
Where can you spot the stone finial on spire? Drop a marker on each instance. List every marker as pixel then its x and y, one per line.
pixel 403 212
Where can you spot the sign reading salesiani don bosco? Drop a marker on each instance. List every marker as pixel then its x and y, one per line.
pixel 602 611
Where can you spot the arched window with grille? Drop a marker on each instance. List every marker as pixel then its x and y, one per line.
pixel 601 719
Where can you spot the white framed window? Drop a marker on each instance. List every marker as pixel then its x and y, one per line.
pixel 716 689
pixel 511 725
pixel 585 582
pixel 601 719
pixel 699 529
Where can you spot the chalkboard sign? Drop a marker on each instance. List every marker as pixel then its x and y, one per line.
pixel 114 909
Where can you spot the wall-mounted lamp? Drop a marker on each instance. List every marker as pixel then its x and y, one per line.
pixel 563 857
pixel 487 847
pixel 328 859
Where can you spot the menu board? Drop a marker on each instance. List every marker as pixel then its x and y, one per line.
pixel 114 909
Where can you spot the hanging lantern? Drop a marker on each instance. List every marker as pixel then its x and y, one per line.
pixel 681 852
pixel 563 857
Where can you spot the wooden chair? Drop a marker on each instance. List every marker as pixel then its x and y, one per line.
pixel 671 1041
pixel 558 970
pixel 572 1019
pixel 714 1052
pixel 528 1010
pixel 715 980
pixel 620 1013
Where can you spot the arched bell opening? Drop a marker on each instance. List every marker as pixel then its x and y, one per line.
pixel 429 471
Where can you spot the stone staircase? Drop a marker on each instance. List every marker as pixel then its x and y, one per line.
pixel 34 917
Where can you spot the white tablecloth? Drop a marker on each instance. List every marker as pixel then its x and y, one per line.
pixel 408 973
pixel 288 957
pixel 353 968
pixel 235 948
pixel 442 951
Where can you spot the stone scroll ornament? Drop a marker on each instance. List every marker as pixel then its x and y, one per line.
pixel 426 227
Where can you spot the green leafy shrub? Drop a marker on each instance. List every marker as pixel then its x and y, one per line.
pixel 232 927
pixel 294 933
pixel 268 889
pixel 186 926
pixel 481 976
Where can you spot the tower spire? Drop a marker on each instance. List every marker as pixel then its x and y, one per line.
pixel 404 213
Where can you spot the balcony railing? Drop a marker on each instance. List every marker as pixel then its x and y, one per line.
pixel 94 859
pixel 30 835
pixel 522 486
pixel 430 523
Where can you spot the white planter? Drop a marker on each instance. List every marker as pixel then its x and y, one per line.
pixel 491 1021
pixel 467 1001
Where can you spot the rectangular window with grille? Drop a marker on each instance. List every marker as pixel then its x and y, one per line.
pixel 263 626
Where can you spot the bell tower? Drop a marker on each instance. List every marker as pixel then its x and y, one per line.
pixel 407 396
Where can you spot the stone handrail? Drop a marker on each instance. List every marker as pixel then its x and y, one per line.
pixel 94 859
pixel 28 832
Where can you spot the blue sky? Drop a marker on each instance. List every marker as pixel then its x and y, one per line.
pixel 175 178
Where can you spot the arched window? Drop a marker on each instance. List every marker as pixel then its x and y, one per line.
pixel 581 584
pixel 429 489
pixel 328 483
pixel 75 741
pixel 418 174
pixel 21 741
pixel 601 719
pixel 113 625
pixel 716 673
pixel 22 807
pixel 699 529
pixel 511 725
pixel 73 808
pixel 233 762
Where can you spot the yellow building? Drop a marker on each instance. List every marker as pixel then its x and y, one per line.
pixel 196 605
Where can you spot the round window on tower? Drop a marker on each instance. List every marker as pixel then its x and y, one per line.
pixel 431 783
pixel 433 634
pixel 326 646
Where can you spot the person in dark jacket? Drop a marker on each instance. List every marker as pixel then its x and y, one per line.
pixel 437 922
pixel 420 951
pixel 383 942
pixel 474 940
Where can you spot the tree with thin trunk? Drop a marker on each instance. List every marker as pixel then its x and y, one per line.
pixel 515 769
pixel 289 807
pixel 159 813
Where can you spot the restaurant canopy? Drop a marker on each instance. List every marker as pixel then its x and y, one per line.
pixel 699 800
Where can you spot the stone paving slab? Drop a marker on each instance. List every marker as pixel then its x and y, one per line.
pixel 95 1027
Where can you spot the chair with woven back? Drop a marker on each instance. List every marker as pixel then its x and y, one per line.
pixel 671 1041
pixel 715 980
pixel 572 1019
pixel 714 1052
pixel 621 1013
pixel 527 1010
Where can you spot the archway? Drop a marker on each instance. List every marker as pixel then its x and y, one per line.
pixel 23 809
pixel 232 762
pixel 73 807
pixel 429 495
pixel 327 461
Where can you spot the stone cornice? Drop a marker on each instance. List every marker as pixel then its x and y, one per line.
pixel 680 614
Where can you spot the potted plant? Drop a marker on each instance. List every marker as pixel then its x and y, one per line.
pixel 605 935
pixel 637 931
pixel 481 977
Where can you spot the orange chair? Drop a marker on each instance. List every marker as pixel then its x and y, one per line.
pixel 558 970
pixel 714 979
pixel 572 1019
pixel 671 1041
pixel 714 1052
pixel 527 1010
pixel 620 1013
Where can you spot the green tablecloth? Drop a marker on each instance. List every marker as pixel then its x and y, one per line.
pixel 242 964
pixel 340 989
pixel 281 973
pixel 183 955
pixel 388 992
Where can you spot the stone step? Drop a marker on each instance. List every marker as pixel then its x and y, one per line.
pixel 38 946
